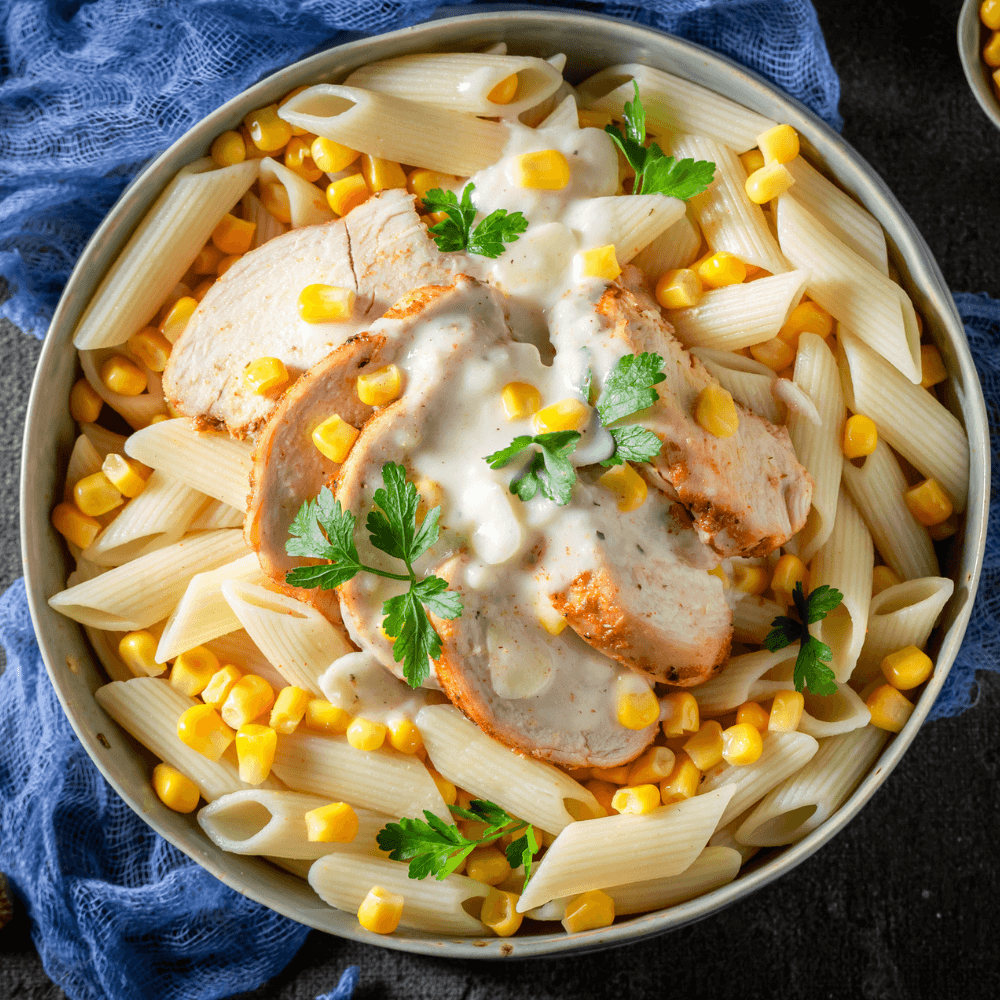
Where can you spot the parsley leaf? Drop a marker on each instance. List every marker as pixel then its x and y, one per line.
pixel 811 664
pixel 456 232
pixel 633 444
pixel 549 469
pixel 629 386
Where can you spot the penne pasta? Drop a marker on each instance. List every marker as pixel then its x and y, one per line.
pixel 241 651
pixel 216 514
pixel 675 247
pixel 307 203
pixel 266 226
pixel 137 411
pixel 629 223
pixel 746 380
pixel 752 617
pixel 84 460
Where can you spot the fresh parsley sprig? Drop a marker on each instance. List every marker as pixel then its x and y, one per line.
pixel 322 530
pixel 811 669
pixel 549 469
pixel 627 390
pixel 456 232
pixel 655 172
pixel 436 848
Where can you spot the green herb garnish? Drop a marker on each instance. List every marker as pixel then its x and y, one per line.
pixel 322 530
pixel 811 669
pixel 456 232
pixel 655 172
pixel 549 469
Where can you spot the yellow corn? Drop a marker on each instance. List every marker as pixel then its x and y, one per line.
pixel 715 411
pixel 252 152
pixel 75 526
pixel 207 260
pixel 84 403
pixel 227 262
pixel 775 353
pixel 201 728
pixel 721 269
pixel 907 668
pixel 445 787
pixel 742 743
pixel 95 495
pixel 336 823
pixel 927 502
pixel 883 578
pixel 652 765
pixel 487 864
pixel 326 304
pixel 588 911
pixel 228 149
pixel 779 144
pixel 932 370
pixel 334 438
pixel 233 235
pixel 265 374
pixel 326 718
pixel 269 132
pixel 637 704
pixel 806 317
pixel 248 698
pixel 768 182
pixel 750 579
pixel 989 14
pixel 991 51
pixel 568 414
pixel 289 709
pixel 682 782
pixel 363 734
pixel 219 685
pixel 192 671
pixel 255 746
pixel 404 735
pixel 788 571
pixel 752 159
pixel 274 197
pixel 122 376
pixel 613 775
pixel 705 747
pixel 381 175
pixel 890 708
pixel 544 170
pixel 174 322
pixel 603 791
pixel 151 348
pixel 680 713
pixel 626 484
pixel 499 912
pixel 175 790
pixel 637 800
pixel 860 436
pixel 125 474
pixel 347 193
pixel 420 181
pixel 379 387
pixel 678 288
pixel 138 653
pixel 520 400
pixel 298 158
pixel 599 262
pixel 331 156
pixel 753 714
pixel 786 712
pixel 505 91
pixel 380 911
pixel 550 619
pixel 431 496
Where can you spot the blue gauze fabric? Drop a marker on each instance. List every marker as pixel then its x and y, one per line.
pixel 88 92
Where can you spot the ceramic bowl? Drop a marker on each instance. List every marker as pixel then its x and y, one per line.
pixel 972 36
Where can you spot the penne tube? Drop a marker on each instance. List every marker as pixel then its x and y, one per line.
pixel 535 115
pixel 105 645
pixel 660 843
pixel 307 203
pixel 629 222
pixel 526 788
pixel 216 514
pixel 747 381
pixel 103 440
pixel 725 836
pixel 752 618
pixel 675 247
pixel 565 115
pixel 136 410
pixel 267 226
pixel 241 651
pixel 84 460
pixel 161 250
pixel 394 128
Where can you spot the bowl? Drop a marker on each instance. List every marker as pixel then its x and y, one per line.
pixel 971 32
pixel 591 42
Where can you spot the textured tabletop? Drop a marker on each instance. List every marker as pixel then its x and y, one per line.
pixel 903 903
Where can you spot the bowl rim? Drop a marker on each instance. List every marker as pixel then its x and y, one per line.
pixel 830 150
pixel 969 35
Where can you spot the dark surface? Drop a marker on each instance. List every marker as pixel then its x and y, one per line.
pixel 904 902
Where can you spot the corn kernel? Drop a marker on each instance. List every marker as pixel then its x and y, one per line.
pixel 274 198
pixel 75 526
pixel 907 668
pixel 269 132
pixel 628 487
pixel 499 912
pixel 568 414
pixel 741 744
pixel 201 289
pixel 175 790
pixel 653 765
pixel 363 734
pixel 883 578
pixel 298 159
pixel 751 579
pixel 331 156
pixel 336 823
pixel 599 262
pixel 192 671
pixel 603 791
pixel 326 718
pixel 520 400
pixel 768 182
pixel 201 728
pixel 248 698
pixel 126 474
pixel 544 170
pixel 806 317
pixel 207 260
pixel 678 288
pixel 404 735
pixel 381 175
pixel 228 149
pixel 683 781
pixel 177 319
pixel 252 152
pixel 715 411
pixel 289 709
pixel 779 144
pixel 84 403
pixel 889 708
pixel 991 51
pixel 380 911
pixel 95 495
pixel 138 653
pixel 680 714
pixel 719 269
pixel 431 495
pixel 775 353
pixel 421 181
pixel 122 376
pixel 347 193
pixel 932 370
pixel 445 787
pixel 233 235
pixel 989 14
pixel 705 747
pixel 637 704
pixel 265 374
pixel 151 348
pixel 588 911
pixel 613 775
pixel 488 865
pixel 255 746
pixel 220 684
pixel 788 571
pixel 927 502
pixel 550 619
pixel 637 800
pixel 326 304
pixel 380 387
pixel 753 715
pixel 860 436
pixel 505 91
pixel 786 712
pixel 227 262
pixel 334 438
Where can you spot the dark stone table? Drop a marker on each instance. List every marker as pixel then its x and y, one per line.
pixel 903 903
